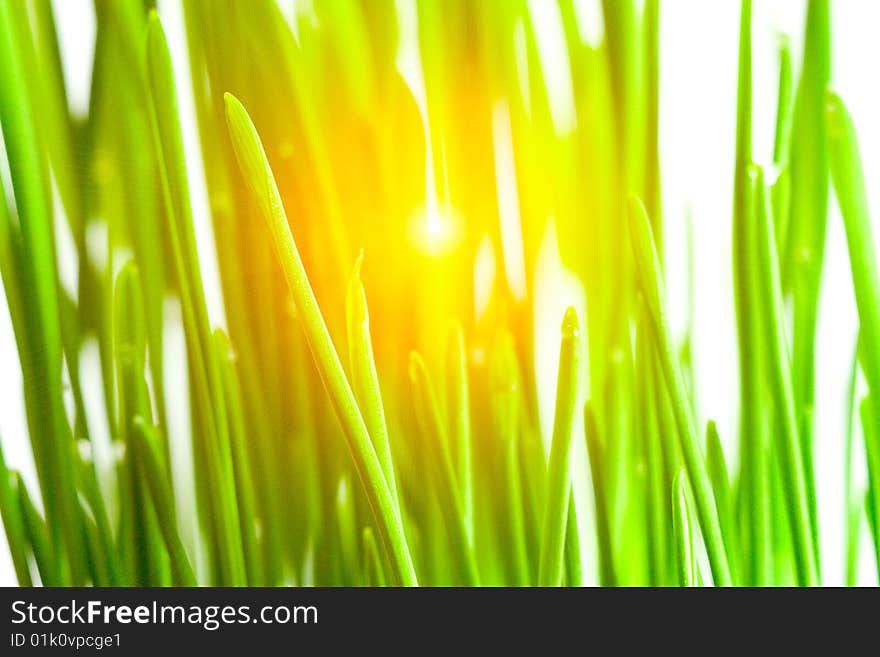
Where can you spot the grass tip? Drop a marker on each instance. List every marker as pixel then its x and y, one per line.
pixel 570 326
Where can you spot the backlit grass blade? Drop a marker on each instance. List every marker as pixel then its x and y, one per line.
pixel 781 191
pixel 103 556
pixel 149 456
pixel 374 571
pixel 853 499
pixel 752 437
pixel 849 185
pixel 37 533
pixel 872 448
pixel 140 535
pixel 505 390
pixel 244 483
pixel 657 482
pixel 42 364
pixel 434 431
pixel 685 552
pixel 258 175
pixel 13 524
pixel 788 443
pixel 805 247
pixel 459 420
pixel 648 267
pixel 721 486
pixel 596 451
pixel 207 383
pixel 652 195
pixel 364 378
pixel 98 559
pixel 558 474
pixel 574 571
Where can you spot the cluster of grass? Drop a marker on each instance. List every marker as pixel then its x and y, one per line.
pixel 322 448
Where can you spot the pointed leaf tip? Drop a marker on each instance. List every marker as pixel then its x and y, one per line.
pixel 356 299
pixel 570 326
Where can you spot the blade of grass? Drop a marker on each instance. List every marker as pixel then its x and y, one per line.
pixel 244 485
pixel 374 571
pixel 258 175
pixel 459 420
pixel 752 437
pixel 149 456
pixel 849 185
pixel 104 558
pixel 364 378
pixel 852 500
pixel 788 445
pixel 721 485
pixel 37 534
pixel 207 382
pixel 648 267
pixel 505 383
pixel 99 560
pixel 657 488
pixel 574 570
pixel 433 429
pixel 46 414
pixel 872 448
pixel 807 227
pixel 558 470
pixel 781 192
pixel 596 451
pixel 685 552
pixel 13 524
pixel 142 540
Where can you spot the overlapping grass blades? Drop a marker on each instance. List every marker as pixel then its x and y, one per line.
pixel 258 174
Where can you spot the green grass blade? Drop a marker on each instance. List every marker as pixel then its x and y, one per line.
pixel 37 534
pixel 244 484
pixel 205 371
pixel 459 420
pixel 364 378
pixel 98 558
pixel 152 466
pixel 434 430
pixel 657 483
pixel 788 445
pixel 258 175
pixel 721 486
pixel 596 451
pixel 374 570
pixel 142 540
pixel 550 569
pixel 872 449
pixel 752 435
pixel 648 267
pixel 781 191
pixel 652 195
pixel 852 500
pixel 574 570
pixel 805 246
pixel 685 552
pixel 13 524
pixel 46 413
pixel 849 185
pixel 505 391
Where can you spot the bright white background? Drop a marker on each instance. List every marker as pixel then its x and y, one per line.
pixel 698 94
